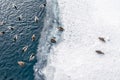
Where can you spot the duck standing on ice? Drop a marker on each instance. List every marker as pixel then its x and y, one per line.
pixel 53 40
pixel 60 28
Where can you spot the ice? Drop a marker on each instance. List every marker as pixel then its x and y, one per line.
pixel 84 21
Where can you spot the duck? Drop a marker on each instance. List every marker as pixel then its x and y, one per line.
pixel 53 40
pixel 99 52
pixel 36 19
pixel 21 63
pixel 2 23
pixel 15 6
pixel 32 56
pixel 2 32
pixel 11 28
pixel 43 5
pixel 20 17
pixel 102 39
pixel 24 49
pixel 33 37
pixel 60 28
pixel 15 37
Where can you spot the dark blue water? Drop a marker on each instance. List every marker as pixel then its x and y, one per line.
pixel 11 51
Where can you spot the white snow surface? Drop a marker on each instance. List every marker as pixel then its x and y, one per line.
pixel 75 57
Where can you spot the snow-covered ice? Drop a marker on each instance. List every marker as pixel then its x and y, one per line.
pixel 75 57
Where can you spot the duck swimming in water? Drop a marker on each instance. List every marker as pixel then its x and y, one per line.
pixel 11 28
pixel 36 19
pixel 43 5
pixel 1 33
pixel 15 37
pixel 15 6
pixel 21 63
pixel 20 17
pixel 32 56
pixel 33 37
pixel 24 49
pixel 2 23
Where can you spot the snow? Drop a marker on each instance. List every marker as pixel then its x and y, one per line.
pixel 75 57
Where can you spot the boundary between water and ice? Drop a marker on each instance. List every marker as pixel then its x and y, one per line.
pixel 42 69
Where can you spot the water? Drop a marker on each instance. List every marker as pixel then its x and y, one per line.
pixel 11 51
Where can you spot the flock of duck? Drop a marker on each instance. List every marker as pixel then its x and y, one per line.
pixel 24 49
pixel 103 40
